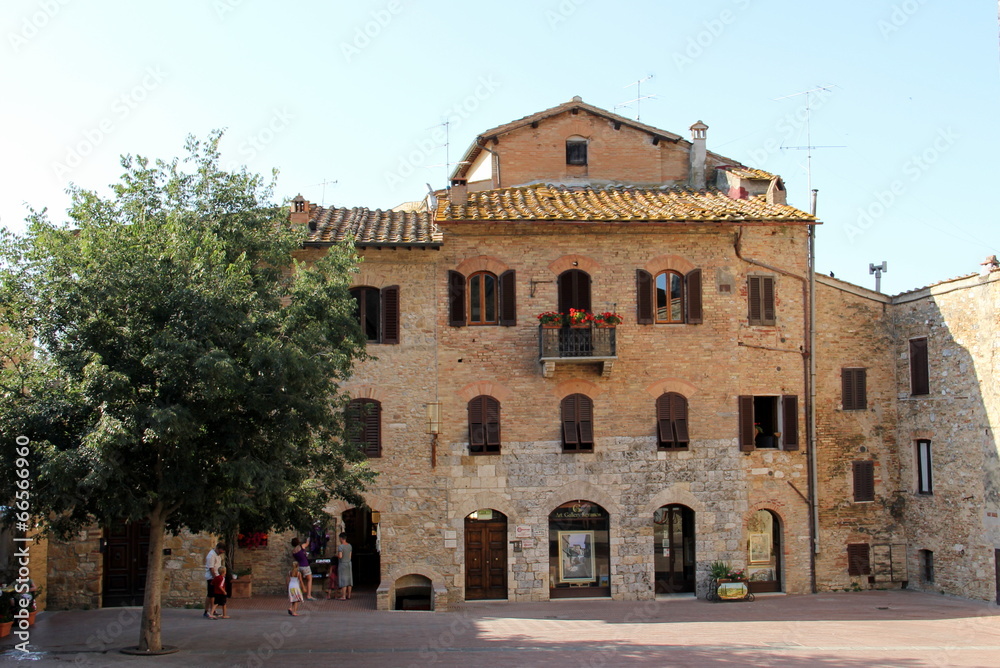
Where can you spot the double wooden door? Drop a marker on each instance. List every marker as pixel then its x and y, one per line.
pixel 486 558
pixel 126 555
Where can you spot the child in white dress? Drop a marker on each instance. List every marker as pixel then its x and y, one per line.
pixel 294 590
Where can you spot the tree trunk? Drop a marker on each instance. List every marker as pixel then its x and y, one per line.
pixel 149 631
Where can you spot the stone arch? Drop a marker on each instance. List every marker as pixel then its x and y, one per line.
pixel 368 392
pixel 677 385
pixel 366 277
pixel 567 262
pixel 669 262
pixel 582 490
pixel 374 501
pixel 576 386
pixel 471 265
pixel 464 506
pixel 677 493
pixel 488 387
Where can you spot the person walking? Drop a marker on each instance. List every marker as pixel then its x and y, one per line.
pixel 345 578
pixel 213 562
pixel 301 556
pixel 219 595
pixel 294 589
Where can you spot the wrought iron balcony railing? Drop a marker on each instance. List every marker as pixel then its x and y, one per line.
pixel 574 345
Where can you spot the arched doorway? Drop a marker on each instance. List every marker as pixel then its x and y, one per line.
pixel 764 552
pixel 579 551
pixel 361 527
pixel 485 555
pixel 574 290
pixel 673 549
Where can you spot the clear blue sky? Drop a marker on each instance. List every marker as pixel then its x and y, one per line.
pixel 352 92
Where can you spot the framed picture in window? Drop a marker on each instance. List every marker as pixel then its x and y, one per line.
pixel 760 548
pixel 576 556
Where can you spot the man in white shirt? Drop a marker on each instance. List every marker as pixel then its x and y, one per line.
pixel 213 561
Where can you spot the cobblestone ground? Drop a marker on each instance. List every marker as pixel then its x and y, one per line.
pixel 899 629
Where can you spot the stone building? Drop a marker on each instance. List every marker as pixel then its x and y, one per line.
pixel 521 462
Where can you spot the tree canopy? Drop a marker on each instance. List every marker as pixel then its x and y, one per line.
pixel 170 362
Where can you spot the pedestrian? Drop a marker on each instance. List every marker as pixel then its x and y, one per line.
pixel 213 562
pixel 219 597
pixel 294 589
pixel 301 557
pixel 345 578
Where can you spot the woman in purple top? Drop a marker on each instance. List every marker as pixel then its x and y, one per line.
pixel 302 559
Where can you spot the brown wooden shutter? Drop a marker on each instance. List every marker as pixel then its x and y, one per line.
pixel 678 415
pixel 861 389
pixel 571 438
pixel 366 416
pixel 574 290
pixel 664 433
pixel 456 299
pixel 864 481
pixel 767 299
pixel 790 417
pixel 746 430
pixel 692 284
pixel 753 300
pixel 858 559
pixel 492 410
pixel 643 297
pixel 854 386
pixel 585 413
pixel 847 389
pixel 919 371
pixel 390 314
pixel 508 299
pixel 477 432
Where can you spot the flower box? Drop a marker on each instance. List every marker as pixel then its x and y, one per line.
pixel 242 587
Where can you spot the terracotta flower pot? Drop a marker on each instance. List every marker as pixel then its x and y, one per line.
pixel 5 629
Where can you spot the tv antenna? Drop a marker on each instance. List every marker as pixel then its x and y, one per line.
pixel 324 183
pixel 447 164
pixel 639 97
pixel 809 145
pixel 878 270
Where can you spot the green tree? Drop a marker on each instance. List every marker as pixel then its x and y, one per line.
pixel 170 362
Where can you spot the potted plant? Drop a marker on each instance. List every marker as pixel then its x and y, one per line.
pixel 607 319
pixel 719 570
pixel 579 318
pixel 551 319
pixel 242 583
pixel 33 607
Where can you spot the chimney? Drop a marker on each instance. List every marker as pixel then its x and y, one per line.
pixel 300 210
pixel 698 134
pixel 459 194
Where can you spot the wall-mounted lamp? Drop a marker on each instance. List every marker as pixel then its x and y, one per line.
pixel 434 418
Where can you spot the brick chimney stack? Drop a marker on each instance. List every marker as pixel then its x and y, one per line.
pixel 459 194
pixel 300 210
pixel 697 176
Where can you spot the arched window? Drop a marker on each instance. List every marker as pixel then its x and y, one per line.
pixel 364 424
pixel 378 312
pixel 669 297
pixel 671 422
pixel 574 290
pixel 578 423
pixel 483 293
pixel 484 425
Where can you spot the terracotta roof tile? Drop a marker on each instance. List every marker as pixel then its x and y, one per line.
pixel 614 203
pixel 751 173
pixel 372 227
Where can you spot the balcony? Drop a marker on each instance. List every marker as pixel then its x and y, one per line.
pixel 571 345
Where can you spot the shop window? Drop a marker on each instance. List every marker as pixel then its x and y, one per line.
pixel 378 312
pixel 578 423
pixel 919 368
pixel 579 551
pixel 760 300
pixel 768 422
pixel 365 425
pixel 484 425
pixel 672 422
pixel 925 483
pixel 854 386
pixel 668 298
pixel 482 299
pixel 864 480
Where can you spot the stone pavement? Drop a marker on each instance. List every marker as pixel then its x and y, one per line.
pixel 851 630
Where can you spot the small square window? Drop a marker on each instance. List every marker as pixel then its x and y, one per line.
pixel 576 152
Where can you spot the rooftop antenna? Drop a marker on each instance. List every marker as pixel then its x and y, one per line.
pixel 447 164
pixel 809 145
pixel 639 97
pixel 878 270
pixel 324 183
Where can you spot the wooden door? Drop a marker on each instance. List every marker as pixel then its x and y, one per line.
pixel 486 558
pixel 126 554
pixel 574 290
pixel 673 558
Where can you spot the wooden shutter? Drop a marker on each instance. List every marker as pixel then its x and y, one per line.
pixel 767 300
pixel 390 314
pixel 643 297
pixel 692 285
pixel 365 416
pixel 508 299
pixel 574 290
pixel 571 438
pixel 492 411
pixel 585 417
pixel 753 300
pixel 456 299
pixel 477 431
pixel 678 416
pixel 790 418
pixel 854 386
pixel 746 430
pixel 864 481
pixel 664 433
pixel 919 372
pixel 859 559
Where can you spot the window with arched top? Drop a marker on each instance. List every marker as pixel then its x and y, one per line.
pixel 483 294
pixel 576 150
pixel 364 424
pixel 669 297
pixel 482 298
pixel 574 290
pixel 484 425
pixel 672 422
pixel 578 423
